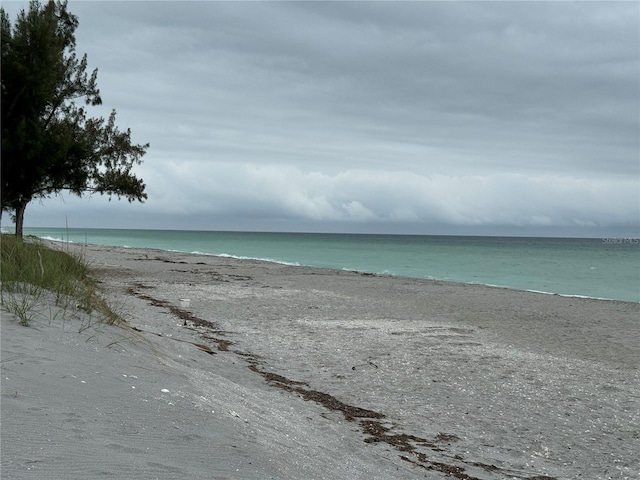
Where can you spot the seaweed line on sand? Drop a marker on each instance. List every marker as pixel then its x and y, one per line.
pixel 188 318
pixel 378 433
pixel 374 430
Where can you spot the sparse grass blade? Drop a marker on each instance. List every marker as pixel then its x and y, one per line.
pixel 28 267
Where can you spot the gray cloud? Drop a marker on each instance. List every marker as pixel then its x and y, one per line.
pixel 395 115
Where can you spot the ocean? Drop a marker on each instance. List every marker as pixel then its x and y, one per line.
pixel 606 268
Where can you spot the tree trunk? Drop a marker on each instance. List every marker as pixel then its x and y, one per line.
pixel 20 217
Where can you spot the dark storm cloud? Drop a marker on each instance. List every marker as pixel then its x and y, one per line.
pixel 461 113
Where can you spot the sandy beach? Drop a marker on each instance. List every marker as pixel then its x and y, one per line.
pixel 280 372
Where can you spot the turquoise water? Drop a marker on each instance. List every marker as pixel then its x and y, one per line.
pixel 600 268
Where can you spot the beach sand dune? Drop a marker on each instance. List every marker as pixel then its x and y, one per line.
pixel 274 371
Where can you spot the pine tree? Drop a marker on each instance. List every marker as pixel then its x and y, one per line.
pixel 49 144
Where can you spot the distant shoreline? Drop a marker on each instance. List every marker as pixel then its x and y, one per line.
pixel 55 241
pixel 596 313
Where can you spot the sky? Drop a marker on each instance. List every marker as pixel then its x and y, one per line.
pixel 423 117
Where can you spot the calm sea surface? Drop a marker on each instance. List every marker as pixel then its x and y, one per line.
pixel 601 268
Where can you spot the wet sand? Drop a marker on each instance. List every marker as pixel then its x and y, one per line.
pixel 285 372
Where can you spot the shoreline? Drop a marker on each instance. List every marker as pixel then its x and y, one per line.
pixel 56 242
pixel 374 376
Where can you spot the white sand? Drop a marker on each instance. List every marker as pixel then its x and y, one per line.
pixel 466 381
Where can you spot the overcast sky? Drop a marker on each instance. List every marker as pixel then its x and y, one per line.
pixel 408 117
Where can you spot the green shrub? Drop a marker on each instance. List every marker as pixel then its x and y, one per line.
pixel 28 267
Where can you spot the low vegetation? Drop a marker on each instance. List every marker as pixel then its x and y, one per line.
pixel 29 269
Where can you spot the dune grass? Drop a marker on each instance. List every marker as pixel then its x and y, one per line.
pixel 28 269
